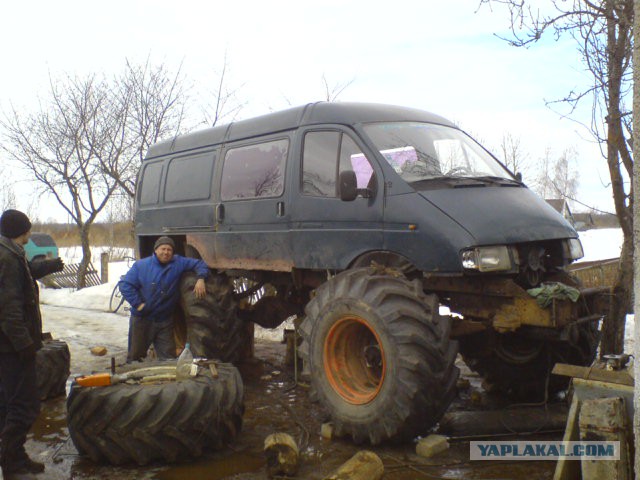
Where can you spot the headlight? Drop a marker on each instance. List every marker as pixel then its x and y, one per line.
pixel 487 259
pixel 574 249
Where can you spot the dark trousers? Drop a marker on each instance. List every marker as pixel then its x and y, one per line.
pixel 19 408
pixel 144 331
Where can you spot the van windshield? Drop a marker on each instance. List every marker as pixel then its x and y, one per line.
pixel 424 151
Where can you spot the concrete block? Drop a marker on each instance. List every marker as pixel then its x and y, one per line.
pixel 326 431
pixel 364 465
pixel 431 445
pixel 99 351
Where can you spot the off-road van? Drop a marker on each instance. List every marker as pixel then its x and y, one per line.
pixel 367 221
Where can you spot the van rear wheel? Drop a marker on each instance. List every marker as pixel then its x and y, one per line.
pixel 520 366
pixel 379 355
pixel 213 327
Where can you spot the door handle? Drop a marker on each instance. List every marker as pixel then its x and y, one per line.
pixel 280 209
pixel 219 213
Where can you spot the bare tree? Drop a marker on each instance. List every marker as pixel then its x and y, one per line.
pixel 565 175
pixel 153 101
pixel 64 145
pixel 542 184
pixel 513 156
pixel 7 194
pixel 604 39
pixel 224 104
pixel 331 93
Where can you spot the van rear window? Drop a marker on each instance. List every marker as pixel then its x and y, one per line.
pixel 189 178
pixel 254 171
pixel 150 188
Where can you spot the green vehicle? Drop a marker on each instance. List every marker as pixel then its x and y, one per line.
pixel 40 247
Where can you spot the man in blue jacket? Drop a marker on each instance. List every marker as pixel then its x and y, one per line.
pixel 151 287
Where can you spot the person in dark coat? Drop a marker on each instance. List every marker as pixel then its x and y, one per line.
pixel 20 339
pixel 152 288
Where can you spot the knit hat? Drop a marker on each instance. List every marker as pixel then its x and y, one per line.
pixel 164 241
pixel 14 223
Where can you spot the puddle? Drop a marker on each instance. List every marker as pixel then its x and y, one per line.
pixel 51 425
pixel 234 464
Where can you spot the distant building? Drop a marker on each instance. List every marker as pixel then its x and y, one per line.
pixel 584 221
pixel 562 207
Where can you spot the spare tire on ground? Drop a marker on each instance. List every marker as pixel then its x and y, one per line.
pixel 53 363
pixel 169 420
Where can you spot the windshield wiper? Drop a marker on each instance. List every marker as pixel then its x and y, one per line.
pixel 451 181
pixel 448 181
pixel 502 181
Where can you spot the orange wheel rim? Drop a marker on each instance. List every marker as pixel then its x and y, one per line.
pixel 354 360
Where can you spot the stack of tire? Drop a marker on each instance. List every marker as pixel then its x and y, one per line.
pixel 170 421
pixel 53 362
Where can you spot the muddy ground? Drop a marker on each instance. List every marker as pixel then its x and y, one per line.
pixel 274 402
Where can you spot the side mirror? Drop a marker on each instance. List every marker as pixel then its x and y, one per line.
pixel 519 176
pixel 348 185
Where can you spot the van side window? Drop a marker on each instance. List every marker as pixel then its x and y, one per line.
pixel 189 178
pixel 150 188
pixel 325 155
pixel 254 170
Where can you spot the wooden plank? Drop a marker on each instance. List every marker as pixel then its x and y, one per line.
pixel 620 377
pixel 496 422
pixel 570 469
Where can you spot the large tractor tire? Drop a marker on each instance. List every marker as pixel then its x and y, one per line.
pixel 53 362
pixel 173 421
pixel 520 366
pixel 213 327
pixel 379 356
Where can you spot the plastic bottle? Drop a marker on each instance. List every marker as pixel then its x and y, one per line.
pixel 185 360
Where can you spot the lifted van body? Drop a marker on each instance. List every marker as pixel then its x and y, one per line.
pixel 430 223
pixel 327 199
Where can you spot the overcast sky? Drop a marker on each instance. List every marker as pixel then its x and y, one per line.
pixel 440 56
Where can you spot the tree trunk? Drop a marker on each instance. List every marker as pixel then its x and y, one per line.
pixel 617 153
pixel 614 322
pixel 636 223
pixel 86 256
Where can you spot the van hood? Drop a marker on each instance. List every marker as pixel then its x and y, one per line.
pixel 495 215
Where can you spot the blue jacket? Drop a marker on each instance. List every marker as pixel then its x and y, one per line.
pixel 157 285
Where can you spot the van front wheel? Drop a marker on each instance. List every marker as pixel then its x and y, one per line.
pixel 379 355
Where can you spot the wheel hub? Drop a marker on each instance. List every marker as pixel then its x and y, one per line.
pixel 354 360
pixel 516 350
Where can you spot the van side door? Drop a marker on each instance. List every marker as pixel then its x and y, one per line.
pixel 327 232
pixel 252 212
